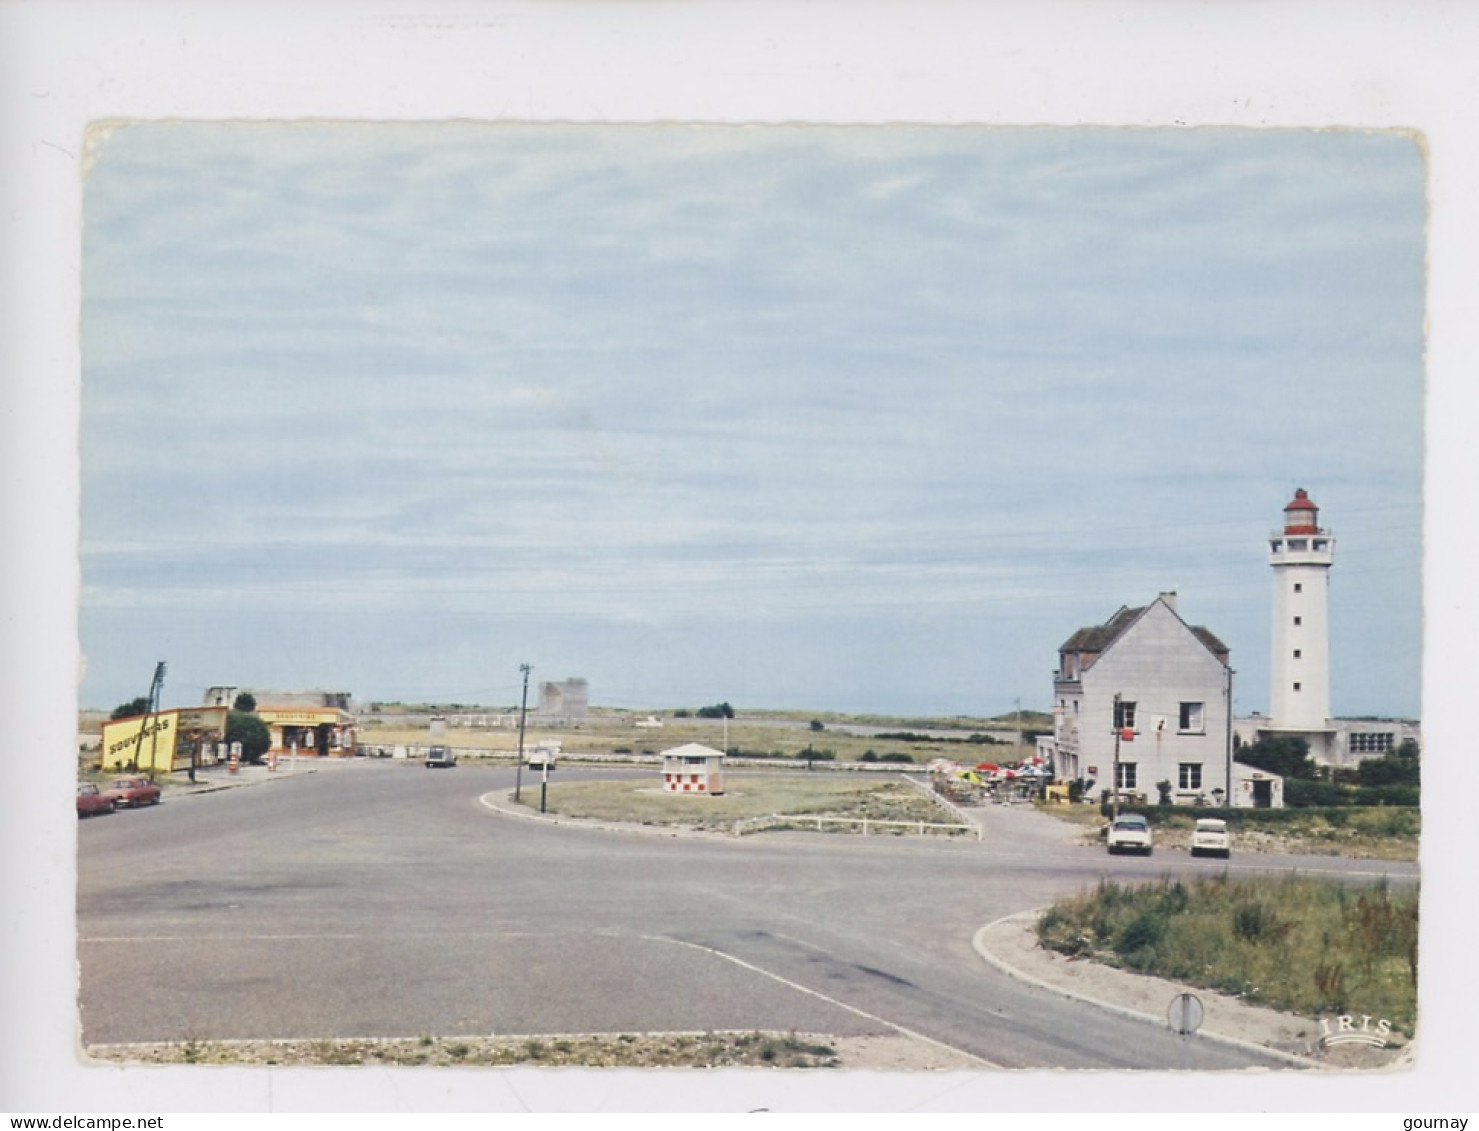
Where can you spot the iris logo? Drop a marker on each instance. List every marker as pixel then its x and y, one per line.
pixel 1345 1031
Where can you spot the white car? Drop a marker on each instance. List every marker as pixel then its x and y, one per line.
pixel 1211 838
pixel 1129 832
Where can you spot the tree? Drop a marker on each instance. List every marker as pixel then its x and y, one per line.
pixel 131 709
pixel 245 701
pixel 717 711
pixel 1285 755
pixel 247 729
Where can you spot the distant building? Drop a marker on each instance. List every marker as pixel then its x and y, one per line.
pixel 567 701
pixel 310 723
pixel 1157 690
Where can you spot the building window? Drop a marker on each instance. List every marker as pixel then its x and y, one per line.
pixel 1296 687
pixel 1299 587
pixel 1299 620
pixel 1192 719
pixel 1190 776
pixel 1124 715
pixel 1372 742
pixel 1297 543
pixel 1126 775
pixel 1297 653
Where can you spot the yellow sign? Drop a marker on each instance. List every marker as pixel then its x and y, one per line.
pixel 143 743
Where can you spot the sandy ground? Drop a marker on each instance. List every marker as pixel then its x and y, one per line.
pixel 1011 945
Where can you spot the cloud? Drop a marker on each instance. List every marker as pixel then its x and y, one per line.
pixel 643 373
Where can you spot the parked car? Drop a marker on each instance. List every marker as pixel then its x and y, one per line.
pixel 133 792
pixel 440 756
pixel 1129 832
pixel 537 759
pixel 91 799
pixel 1211 838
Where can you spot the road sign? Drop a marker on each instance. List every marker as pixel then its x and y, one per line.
pixel 1185 1014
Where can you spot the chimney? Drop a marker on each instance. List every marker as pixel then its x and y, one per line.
pixel 1170 600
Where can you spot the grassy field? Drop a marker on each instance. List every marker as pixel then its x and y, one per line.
pixel 748 795
pixel 618 733
pixel 1372 833
pixel 1302 945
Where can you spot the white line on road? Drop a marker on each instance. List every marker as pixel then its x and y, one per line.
pixel 900 1029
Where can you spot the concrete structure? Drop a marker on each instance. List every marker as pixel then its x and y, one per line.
pixel 1345 742
pixel 565 702
pixel 693 768
pixel 1153 692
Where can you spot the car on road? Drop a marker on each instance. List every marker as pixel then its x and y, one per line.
pixel 440 756
pixel 92 800
pixel 130 793
pixel 1129 832
pixel 1209 837
pixel 538 759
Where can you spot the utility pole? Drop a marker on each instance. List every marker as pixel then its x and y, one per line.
pixel 523 710
pixel 1115 781
pixel 149 713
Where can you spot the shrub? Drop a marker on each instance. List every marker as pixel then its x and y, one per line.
pixel 1388 795
pixel 1142 932
pixel 1301 793
pixel 898 757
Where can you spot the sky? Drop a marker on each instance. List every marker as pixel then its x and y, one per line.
pixel 862 419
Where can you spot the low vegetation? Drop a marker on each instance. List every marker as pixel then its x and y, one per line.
pixel 746 796
pixel 1306 946
pixel 671 1050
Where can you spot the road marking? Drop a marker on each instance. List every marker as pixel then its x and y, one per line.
pixel 900 1029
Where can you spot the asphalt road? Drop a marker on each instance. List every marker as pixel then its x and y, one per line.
pixel 379 899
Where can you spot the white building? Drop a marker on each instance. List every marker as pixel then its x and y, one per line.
pixel 1152 693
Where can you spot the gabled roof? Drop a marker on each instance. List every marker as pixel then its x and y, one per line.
pixel 1098 638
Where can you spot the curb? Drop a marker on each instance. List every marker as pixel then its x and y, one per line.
pixel 178 792
pixel 497 801
pixel 979 946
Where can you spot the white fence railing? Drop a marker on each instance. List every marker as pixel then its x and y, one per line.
pixel 865 825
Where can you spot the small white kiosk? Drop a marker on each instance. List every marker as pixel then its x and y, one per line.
pixel 693 768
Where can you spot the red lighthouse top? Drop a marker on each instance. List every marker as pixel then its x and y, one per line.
pixel 1301 516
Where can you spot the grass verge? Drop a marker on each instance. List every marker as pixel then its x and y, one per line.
pixel 670 1050
pixel 747 795
pixel 1298 944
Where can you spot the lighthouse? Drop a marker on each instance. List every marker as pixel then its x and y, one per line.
pixel 1299 681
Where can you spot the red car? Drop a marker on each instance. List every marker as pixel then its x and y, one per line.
pixel 133 792
pixel 90 800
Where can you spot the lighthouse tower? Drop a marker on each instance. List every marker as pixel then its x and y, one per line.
pixel 1299 680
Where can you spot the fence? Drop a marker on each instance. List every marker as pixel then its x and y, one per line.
pixel 865 824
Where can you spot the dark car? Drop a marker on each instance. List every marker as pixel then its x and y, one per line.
pixel 440 756
pixel 91 800
pixel 133 792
